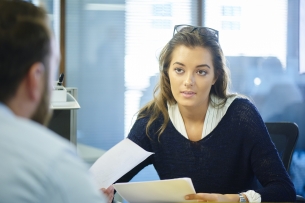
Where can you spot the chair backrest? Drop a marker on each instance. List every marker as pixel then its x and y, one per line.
pixel 284 135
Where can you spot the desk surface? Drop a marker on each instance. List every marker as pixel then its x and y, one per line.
pixel 89 154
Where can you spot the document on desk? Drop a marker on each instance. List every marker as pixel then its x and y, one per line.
pixel 117 161
pixel 172 190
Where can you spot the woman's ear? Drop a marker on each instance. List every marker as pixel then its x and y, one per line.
pixel 215 79
pixel 35 81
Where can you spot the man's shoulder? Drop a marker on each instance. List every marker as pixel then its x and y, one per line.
pixel 24 134
pixel 45 135
pixel 47 164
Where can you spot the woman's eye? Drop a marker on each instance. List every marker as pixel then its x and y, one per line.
pixel 179 70
pixel 201 72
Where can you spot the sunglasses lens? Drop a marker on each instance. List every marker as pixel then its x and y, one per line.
pixel 204 31
pixel 208 32
pixel 184 28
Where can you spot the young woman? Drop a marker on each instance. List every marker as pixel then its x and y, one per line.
pixel 197 129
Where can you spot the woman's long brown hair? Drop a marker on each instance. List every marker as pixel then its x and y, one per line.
pixel 162 92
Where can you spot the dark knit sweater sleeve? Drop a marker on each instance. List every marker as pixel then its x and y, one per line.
pixel 266 163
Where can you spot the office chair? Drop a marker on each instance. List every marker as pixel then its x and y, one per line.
pixel 284 135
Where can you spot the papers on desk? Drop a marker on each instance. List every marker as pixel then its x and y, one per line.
pixel 117 161
pixel 172 190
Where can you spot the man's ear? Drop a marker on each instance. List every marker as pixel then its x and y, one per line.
pixel 35 81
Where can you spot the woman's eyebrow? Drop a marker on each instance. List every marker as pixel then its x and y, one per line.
pixel 199 66
pixel 203 65
pixel 181 64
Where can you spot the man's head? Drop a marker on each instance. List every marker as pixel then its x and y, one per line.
pixel 28 59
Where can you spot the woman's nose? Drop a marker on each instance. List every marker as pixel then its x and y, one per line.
pixel 189 81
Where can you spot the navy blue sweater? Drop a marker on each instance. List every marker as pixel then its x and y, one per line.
pixel 229 160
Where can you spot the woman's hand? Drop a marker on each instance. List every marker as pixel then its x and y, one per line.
pixel 109 192
pixel 213 197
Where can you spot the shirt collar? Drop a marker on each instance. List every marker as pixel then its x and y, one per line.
pixel 212 118
pixel 5 111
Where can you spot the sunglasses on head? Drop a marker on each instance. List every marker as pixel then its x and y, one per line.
pixel 203 31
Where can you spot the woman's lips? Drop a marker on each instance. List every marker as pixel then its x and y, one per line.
pixel 188 94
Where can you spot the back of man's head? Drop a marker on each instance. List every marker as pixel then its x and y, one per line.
pixel 24 40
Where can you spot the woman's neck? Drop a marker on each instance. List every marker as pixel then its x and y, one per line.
pixel 193 114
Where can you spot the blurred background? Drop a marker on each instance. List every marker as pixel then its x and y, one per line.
pixel 110 49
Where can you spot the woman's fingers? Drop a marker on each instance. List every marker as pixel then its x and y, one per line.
pixel 213 197
pixel 203 197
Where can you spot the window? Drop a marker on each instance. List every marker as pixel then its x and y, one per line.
pixel 302 37
pixel 149 26
pixel 259 57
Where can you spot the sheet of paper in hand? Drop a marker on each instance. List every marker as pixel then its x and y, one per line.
pixel 171 190
pixel 117 161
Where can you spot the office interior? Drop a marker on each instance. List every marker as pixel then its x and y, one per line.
pixel 110 53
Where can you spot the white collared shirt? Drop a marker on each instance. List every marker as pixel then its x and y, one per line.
pixel 212 118
pixel 39 166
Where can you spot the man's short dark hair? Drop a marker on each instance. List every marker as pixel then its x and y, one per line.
pixel 24 40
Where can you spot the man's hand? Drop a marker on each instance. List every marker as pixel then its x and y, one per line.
pixel 109 192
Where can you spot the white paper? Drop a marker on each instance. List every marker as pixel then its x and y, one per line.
pixel 172 190
pixel 117 161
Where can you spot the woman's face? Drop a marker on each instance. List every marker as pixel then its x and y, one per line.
pixel 191 75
